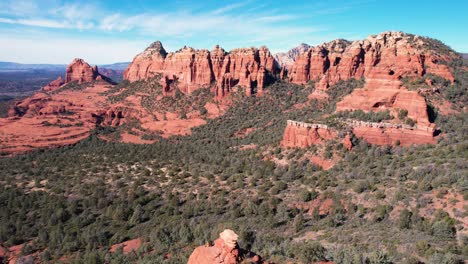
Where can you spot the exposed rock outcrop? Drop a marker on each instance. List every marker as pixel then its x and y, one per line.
pixel 381 94
pixel 55 84
pixel 192 69
pixel 225 250
pixel 80 71
pixel 300 134
pixel 390 136
pixel 382 60
pixel 393 54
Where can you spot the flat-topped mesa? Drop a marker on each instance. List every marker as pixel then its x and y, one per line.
pixel 389 55
pixel 306 125
pixel 192 69
pixel 300 134
pixel 356 123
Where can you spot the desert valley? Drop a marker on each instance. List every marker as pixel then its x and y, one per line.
pixel 344 152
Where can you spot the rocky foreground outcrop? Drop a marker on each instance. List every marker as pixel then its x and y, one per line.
pixel 191 69
pixel 224 251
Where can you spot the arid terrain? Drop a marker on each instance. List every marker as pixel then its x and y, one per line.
pixel 343 152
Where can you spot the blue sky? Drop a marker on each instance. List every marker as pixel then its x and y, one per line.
pixel 56 31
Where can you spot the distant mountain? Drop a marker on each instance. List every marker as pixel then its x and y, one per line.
pixel 288 58
pixel 13 66
pixel 115 66
pixel 464 55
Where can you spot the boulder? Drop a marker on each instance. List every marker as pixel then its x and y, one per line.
pixel 224 251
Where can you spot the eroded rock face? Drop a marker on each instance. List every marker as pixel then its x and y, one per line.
pixel 55 84
pixel 299 134
pixel 381 94
pixel 393 54
pixel 192 69
pixel 80 71
pixel 393 136
pixel 224 251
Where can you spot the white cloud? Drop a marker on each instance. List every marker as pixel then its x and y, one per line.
pixel 35 22
pixel 228 8
pixel 199 29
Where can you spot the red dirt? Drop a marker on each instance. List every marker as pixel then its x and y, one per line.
pixel 127 246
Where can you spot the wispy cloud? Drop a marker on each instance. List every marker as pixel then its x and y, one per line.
pixel 228 8
pixel 236 24
pixel 35 22
pixel 177 23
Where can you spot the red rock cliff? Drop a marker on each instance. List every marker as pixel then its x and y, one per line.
pixel 299 134
pixel 79 70
pixel 193 68
pixel 393 54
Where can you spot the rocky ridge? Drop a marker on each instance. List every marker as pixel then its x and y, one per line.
pixel 192 69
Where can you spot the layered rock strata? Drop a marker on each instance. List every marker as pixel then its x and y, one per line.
pixel 191 69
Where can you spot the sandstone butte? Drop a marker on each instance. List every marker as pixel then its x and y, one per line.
pixel 38 121
pixel 225 250
pixel 192 69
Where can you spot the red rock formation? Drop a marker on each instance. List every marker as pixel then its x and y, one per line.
pixel 224 251
pixel 38 121
pixel 380 94
pixel 127 246
pixel 347 143
pixel 55 84
pixel 298 134
pixel 382 60
pixel 192 69
pixel 392 53
pixel 390 136
pixel 80 71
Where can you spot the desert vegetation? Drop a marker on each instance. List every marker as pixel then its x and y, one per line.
pixel 374 206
